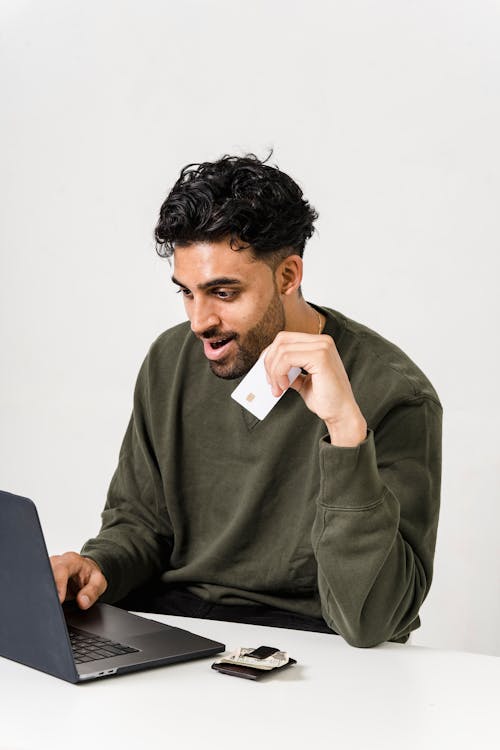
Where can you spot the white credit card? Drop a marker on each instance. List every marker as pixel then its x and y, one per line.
pixel 254 392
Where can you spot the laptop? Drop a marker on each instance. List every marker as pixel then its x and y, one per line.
pixel 64 641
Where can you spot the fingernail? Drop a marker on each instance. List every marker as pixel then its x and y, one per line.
pixel 85 601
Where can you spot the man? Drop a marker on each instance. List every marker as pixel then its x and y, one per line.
pixel 323 516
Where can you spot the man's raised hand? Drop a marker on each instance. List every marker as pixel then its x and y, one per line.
pixel 78 578
pixel 326 389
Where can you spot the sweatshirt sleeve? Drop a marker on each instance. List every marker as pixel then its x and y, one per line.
pixel 135 539
pixel 375 528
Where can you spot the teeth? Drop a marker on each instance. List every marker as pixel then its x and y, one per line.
pixel 218 343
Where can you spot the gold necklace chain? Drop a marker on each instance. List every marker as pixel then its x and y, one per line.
pixel 320 326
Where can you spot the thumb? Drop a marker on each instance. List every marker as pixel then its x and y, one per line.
pixel 93 589
pixel 85 598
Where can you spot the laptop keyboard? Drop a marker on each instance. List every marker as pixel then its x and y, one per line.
pixel 90 647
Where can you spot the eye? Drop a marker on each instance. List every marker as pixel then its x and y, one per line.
pixel 225 293
pixel 185 292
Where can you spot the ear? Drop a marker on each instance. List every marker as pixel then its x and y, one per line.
pixel 288 274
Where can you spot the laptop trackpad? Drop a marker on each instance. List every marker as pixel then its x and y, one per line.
pixel 174 642
pixel 110 622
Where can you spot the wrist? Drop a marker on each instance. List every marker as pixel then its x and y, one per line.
pixel 348 432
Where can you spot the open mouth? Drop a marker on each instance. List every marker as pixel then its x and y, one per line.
pixel 220 342
pixel 217 348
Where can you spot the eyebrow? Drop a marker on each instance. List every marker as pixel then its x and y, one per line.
pixel 221 281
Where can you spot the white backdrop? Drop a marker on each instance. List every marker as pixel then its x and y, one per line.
pixel 387 113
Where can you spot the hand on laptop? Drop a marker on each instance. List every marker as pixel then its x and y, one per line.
pixel 78 578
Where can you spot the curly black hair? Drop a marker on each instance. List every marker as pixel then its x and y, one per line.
pixel 240 198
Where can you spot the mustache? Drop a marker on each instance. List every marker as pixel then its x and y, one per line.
pixel 214 333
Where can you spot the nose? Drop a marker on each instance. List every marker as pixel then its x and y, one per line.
pixel 202 316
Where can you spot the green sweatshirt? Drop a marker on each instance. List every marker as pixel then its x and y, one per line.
pixel 242 511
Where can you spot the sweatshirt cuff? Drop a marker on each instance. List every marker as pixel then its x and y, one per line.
pixel 350 477
pixel 110 570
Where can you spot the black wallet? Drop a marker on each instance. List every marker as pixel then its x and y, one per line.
pixel 252 673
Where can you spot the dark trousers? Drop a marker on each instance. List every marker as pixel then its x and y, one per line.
pixel 167 600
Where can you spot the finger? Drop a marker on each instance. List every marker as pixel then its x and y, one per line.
pixel 61 576
pixel 93 589
pixel 276 373
pixel 308 357
pixel 296 337
pixel 284 338
pixel 298 383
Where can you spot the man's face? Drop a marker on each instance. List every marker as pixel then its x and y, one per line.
pixel 232 302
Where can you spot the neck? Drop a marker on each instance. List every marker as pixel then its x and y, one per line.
pixel 301 317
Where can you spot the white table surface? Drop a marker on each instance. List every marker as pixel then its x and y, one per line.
pixel 391 696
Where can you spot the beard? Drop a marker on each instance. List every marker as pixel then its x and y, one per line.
pixel 254 342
